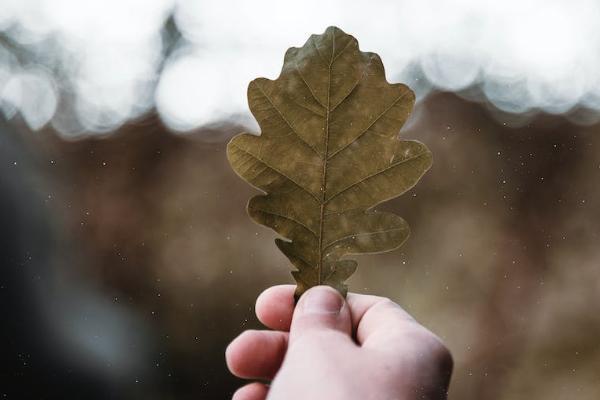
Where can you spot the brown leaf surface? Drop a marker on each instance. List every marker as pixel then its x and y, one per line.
pixel 327 155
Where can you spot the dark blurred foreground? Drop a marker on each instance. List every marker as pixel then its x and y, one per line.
pixel 128 262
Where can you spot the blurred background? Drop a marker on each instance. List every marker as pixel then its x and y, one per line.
pixel 127 262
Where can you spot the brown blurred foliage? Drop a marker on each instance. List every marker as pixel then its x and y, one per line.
pixel 503 260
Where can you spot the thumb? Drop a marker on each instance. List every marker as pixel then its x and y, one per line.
pixel 321 309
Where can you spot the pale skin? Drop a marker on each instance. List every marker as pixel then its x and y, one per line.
pixel 363 348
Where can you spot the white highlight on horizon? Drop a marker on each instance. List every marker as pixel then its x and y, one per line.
pixel 524 55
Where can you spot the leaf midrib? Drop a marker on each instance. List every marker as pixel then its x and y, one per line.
pixel 325 159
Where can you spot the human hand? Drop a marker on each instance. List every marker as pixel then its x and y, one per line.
pixel 364 348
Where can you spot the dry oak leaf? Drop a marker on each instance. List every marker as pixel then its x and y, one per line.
pixel 327 155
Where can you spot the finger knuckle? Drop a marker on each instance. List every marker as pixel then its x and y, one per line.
pixel 440 354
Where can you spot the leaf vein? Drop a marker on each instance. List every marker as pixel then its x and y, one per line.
pixel 389 167
pixel 277 170
pixel 343 50
pixel 318 51
pixel 289 219
pixel 363 234
pixel 371 124
pixel 286 121
pixel 308 86
pixel 347 95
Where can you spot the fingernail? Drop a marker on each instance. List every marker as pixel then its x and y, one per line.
pixel 322 300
